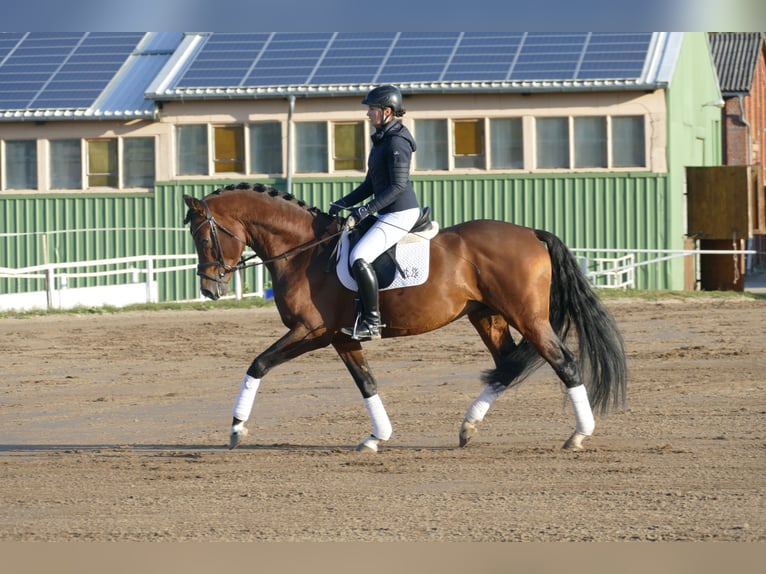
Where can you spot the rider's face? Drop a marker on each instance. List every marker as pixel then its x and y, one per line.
pixel 376 116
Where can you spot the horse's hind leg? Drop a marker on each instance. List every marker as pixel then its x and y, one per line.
pixel 353 357
pixel 563 362
pixel 494 332
pixel 516 360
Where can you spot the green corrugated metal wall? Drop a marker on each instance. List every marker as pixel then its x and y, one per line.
pixel 622 211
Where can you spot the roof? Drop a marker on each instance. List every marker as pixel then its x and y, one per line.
pixel 273 64
pixel 735 56
pixel 90 75
pixel 106 75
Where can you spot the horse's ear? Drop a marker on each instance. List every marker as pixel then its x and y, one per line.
pixel 194 205
pixel 192 202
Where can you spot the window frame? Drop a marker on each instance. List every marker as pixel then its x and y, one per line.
pixel 515 122
pixel 115 170
pixel 278 149
pixel 240 153
pixel 35 164
pixel 80 164
pixel 194 147
pixel 359 153
pixel 478 138
pixel 124 164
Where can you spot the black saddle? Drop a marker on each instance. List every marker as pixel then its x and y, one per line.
pixel 386 265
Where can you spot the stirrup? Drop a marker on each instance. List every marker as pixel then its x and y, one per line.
pixel 362 330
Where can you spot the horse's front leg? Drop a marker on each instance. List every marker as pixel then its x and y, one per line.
pixel 298 341
pixel 353 357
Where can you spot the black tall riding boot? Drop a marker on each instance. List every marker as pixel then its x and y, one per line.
pixel 367 325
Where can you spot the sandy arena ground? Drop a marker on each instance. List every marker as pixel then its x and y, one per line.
pixel 113 428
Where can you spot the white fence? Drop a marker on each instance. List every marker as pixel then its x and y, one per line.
pixel 139 284
pixel 140 277
pixel 620 272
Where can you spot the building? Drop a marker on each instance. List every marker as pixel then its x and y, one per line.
pixel 584 134
pixel 740 61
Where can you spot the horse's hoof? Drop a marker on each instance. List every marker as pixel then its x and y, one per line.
pixel 467 432
pixel 236 437
pixel 370 444
pixel 574 442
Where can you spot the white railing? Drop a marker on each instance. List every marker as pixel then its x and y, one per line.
pixel 620 272
pixel 141 271
pixel 139 286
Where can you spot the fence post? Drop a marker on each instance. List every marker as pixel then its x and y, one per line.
pixel 50 285
pixel 149 279
pixel 238 284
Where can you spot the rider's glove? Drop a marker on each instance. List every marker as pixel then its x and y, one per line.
pixel 359 213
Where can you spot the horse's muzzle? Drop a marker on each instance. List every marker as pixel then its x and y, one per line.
pixel 212 288
pixel 213 295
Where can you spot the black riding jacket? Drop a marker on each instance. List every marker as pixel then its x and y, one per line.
pixel 388 172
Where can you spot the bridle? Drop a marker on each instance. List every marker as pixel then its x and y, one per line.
pixel 223 267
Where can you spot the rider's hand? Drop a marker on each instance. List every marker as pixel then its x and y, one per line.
pixel 359 213
pixel 334 209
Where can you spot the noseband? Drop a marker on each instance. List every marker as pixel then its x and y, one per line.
pixel 223 267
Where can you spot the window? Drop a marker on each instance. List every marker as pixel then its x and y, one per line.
pixel 552 143
pixel 229 149
pixel 506 143
pixel 628 142
pixel 102 163
pixel 311 147
pixel 138 162
pixel 266 147
pixel 191 150
pixel 21 164
pixel 590 142
pixel 431 136
pixel 468 144
pixel 65 164
pixel 349 146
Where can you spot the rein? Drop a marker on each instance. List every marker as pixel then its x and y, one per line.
pixel 244 263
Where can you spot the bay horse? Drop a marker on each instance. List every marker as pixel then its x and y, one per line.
pixel 498 274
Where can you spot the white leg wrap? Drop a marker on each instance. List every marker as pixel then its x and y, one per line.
pixel 381 426
pixel 480 406
pixel 583 413
pixel 246 398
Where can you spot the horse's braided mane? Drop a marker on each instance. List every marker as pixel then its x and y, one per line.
pixel 261 188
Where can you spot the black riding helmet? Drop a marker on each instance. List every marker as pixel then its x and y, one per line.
pixel 385 97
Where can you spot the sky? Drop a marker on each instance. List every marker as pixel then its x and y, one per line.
pixel 395 15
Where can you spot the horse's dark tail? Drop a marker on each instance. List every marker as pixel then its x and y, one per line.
pixel 573 303
pixel 601 356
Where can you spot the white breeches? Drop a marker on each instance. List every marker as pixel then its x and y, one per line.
pixel 385 232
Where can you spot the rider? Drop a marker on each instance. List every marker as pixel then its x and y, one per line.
pixel 388 180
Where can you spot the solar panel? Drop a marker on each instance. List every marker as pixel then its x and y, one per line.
pixel 61 70
pixel 353 58
pixel 8 42
pixel 614 56
pixel 72 70
pixel 228 60
pixel 225 60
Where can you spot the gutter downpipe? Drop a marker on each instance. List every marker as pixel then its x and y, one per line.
pixel 748 240
pixel 290 141
pixel 749 128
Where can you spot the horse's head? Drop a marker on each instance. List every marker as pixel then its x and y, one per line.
pixel 219 241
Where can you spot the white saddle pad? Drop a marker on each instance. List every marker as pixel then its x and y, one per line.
pixel 412 255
